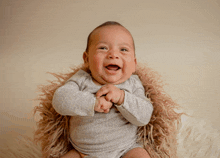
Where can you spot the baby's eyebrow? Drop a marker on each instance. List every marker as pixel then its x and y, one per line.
pixel 125 44
pixel 101 42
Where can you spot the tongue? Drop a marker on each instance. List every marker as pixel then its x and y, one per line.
pixel 112 67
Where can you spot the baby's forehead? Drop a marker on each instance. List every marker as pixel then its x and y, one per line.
pixel 105 31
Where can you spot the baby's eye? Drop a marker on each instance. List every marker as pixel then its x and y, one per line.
pixel 103 48
pixel 124 50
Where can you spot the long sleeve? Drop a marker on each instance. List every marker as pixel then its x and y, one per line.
pixel 69 99
pixel 136 108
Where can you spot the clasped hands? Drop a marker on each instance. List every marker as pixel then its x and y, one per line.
pixel 106 96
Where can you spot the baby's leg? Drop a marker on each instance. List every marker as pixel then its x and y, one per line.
pixel 73 154
pixel 137 153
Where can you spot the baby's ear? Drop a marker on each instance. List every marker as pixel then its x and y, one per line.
pixel 135 65
pixel 85 58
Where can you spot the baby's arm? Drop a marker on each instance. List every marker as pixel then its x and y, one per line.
pixel 136 108
pixel 69 100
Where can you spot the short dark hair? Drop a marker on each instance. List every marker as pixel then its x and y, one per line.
pixel 108 23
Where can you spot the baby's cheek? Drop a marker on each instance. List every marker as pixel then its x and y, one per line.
pixel 128 59
pixel 97 62
pixel 130 65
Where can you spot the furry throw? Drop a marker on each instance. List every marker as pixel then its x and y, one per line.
pixel 159 136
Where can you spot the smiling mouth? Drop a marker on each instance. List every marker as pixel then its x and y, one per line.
pixel 113 67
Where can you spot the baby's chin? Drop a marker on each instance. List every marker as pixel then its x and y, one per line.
pixel 112 80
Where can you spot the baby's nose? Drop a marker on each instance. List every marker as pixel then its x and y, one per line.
pixel 113 54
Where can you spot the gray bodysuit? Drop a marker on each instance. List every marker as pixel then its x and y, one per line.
pixel 100 134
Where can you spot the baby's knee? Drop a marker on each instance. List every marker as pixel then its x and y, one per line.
pixel 72 153
pixel 137 153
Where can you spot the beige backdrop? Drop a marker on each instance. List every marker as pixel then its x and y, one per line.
pixel 179 39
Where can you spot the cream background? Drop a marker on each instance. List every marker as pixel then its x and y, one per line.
pixel 179 39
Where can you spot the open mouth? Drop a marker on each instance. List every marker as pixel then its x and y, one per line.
pixel 113 67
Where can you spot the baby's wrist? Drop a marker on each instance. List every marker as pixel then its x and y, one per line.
pixel 121 99
pixel 96 105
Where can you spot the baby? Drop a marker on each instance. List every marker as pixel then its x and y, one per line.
pixel 107 103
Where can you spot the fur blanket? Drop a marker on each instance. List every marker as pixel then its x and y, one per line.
pixel 159 136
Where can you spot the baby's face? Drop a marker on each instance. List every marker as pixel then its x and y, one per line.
pixel 111 56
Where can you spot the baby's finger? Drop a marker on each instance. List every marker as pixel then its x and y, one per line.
pixel 99 110
pixel 109 96
pixel 106 111
pixel 108 105
pixel 102 91
pixel 113 97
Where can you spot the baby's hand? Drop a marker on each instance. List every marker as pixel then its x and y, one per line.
pixel 112 94
pixel 102 105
